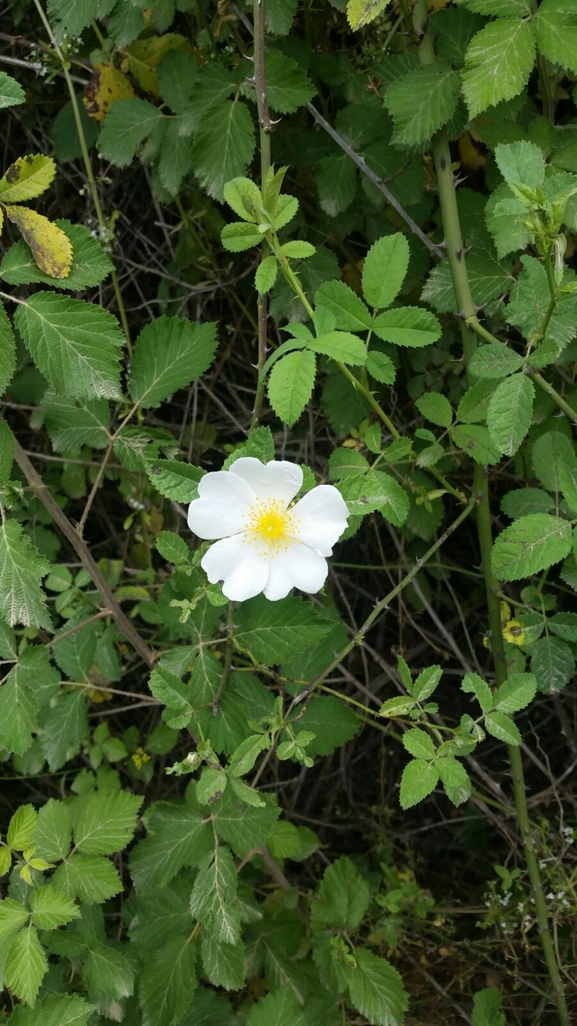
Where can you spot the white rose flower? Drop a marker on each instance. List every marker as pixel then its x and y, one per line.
pixel 266 544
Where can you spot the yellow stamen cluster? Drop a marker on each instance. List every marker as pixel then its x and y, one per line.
pixel 270 526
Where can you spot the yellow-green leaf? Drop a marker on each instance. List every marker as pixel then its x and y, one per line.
pixel 107 86
pixel 51 248
pixel 27 178
pixel 361 12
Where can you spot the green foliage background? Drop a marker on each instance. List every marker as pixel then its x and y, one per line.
pixel 341 234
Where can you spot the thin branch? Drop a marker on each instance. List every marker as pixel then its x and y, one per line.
pixel 79 545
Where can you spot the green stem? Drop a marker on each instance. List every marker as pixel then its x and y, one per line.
pixel 265 128
pixel 102 224
pixel 456 257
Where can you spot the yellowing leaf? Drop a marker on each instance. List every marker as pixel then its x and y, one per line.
pixel 361 12
pixel 51 248
pixel 144 56
pixel 107 86
pixel 27 178
pixel 470 155
pixel 514 632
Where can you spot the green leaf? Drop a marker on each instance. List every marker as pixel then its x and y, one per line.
pixel 18 708
pixel 11 92
pixel 178 836
pixel 398 706
pixel 407 326
pixel 244 197
pixel 362 12
pixel 223 146
pixel 298 250
pixel 168 983
pixel 175 480
pixel 336 182
pixel 50 908
pixel 376 990
pixel 494 361
pixel 53 831
pixel 418 780
pixel 213 900
pixel 343 897
pixel 172 547
pixel 280 1008
pixel 287 85
pixel 13 915
pixel 279 16
pixel 65 728
pixel 168 355
pixel 7 350
pixel 384 270
pixel 381 367
pixel 106 822
pixel 344 462
pixel 487 1008
pixel 376 490
pixel 455 780
pixel 341 345
pixel 26 965
pixel 472 408
pixel 162 915
pixel 60 1010
pixel 516 693
pixel 419 744
pixel 266 273
pixel 21 827
pixel 72 423
pixel 331 721
pixel 421 102
pixel 275 631
pixel 549 452
pixel 211 783
pixel 91 878
pixel 505 217
pixel 425 684
pixel 241 826
pixel 347 308
pixel 238 236
pixel 245 756
pixel 555 27
pixel 21 571
pixel 290 385
pixel 553 664
pixel 563 625
pixel 502 727
pixel 521 163
pixel 223 964
pixel 473 684
pixel 90 264
pixel 76 345
pixel 530 545
pixel 107 971
pixel 475 440
pixel 510 412
pixel 436 408
pixel 498 62
pixel 529 305
pixel 126 126
pixel 499 8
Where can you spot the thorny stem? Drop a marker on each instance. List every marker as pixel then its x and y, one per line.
pixel 87 165
pixel 456 257
pixel 227 658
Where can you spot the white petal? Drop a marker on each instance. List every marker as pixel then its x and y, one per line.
pixel 236 562
pixel 298 566
pixel 275 480
pixel 222 507
pixel 320 518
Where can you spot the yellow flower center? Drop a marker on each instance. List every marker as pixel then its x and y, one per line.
pixel 270 526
